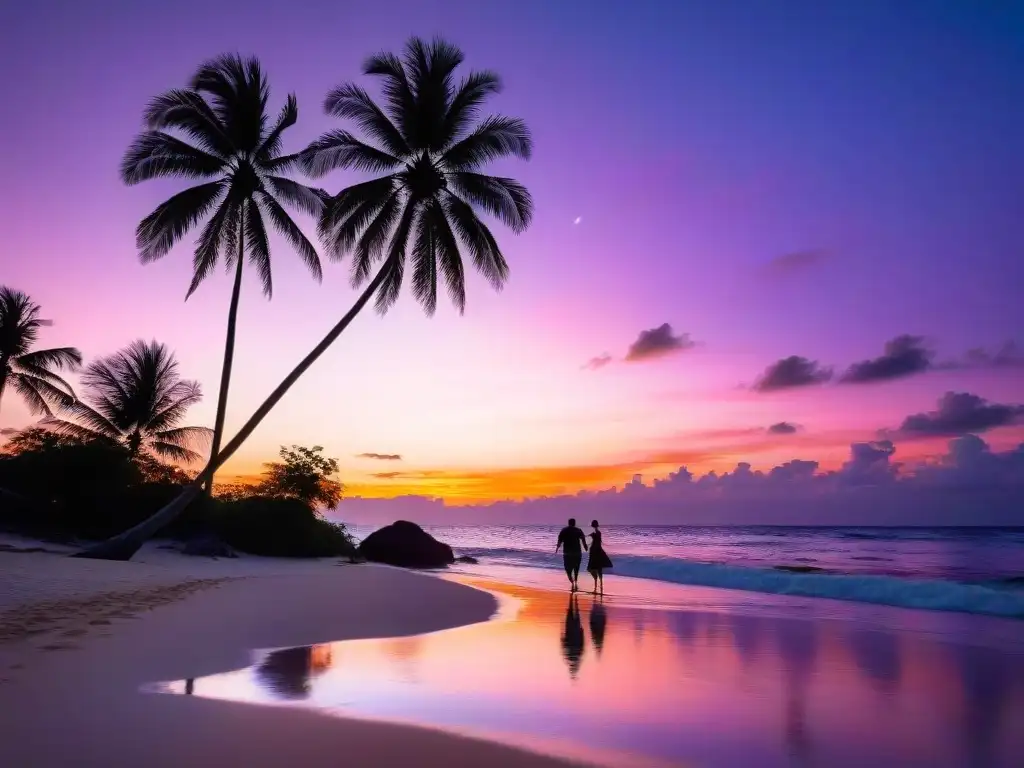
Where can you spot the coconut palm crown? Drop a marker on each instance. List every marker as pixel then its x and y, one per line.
pixel 32 373
pixel 136 398
pixel 428 141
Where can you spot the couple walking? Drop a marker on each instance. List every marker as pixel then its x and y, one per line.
pixel 570 541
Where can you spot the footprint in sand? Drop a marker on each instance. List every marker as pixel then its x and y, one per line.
pixel 99 622
pixel 73 633
pixel 59 647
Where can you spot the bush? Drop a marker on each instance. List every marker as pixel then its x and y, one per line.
pixel 276 527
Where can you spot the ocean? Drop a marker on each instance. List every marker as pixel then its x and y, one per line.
pixel 971 570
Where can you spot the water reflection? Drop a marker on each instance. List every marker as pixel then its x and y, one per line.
pixel 572 637
pixel 289 672
pixel 693 684
pixel 598 623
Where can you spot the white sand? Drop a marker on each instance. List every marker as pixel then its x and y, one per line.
pixel 79 637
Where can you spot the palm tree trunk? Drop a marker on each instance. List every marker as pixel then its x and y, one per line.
pixel 229 351
pixel 126 544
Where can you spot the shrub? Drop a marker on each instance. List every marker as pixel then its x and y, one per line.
pixel 278 527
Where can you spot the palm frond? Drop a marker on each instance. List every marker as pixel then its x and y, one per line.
pixel 424 264
pixel 26 386
pixel 76 431
pixel 46 375
pixel 448 258
pixel 283 223
pixel 430 67
pixel 477 237
pixel 465 104
pixel 259 246
pixel 156 154
pixel 219 231
pixel 496 137
pixel 398 93
pixel 306 199
pixel 187 437
pixel 340 149
pixel 158 232
pixel 88 419
pixel 41 385
pixel 391 287
pixel 271 144
pixel 347 213
pixel 239 93
pixel 174 452
pixel 188 111
pixel 61 358
pixel 506 199
pixel 351 101
pixel 374 238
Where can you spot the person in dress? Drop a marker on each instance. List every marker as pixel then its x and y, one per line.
pixel 599 561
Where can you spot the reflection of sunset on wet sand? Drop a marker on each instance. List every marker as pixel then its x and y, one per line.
pixel 716 686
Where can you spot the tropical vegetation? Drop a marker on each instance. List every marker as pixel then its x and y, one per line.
pixel 32 373
pixel 425 210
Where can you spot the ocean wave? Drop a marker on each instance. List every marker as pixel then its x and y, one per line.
pixel 923 594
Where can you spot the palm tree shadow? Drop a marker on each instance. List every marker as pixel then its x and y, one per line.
pixel 572 637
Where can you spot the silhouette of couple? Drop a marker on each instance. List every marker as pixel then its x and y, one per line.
pixel 570 541
pixel 573 641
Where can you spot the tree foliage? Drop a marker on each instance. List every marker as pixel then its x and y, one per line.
pixel 136 398
pixel 303 474
pixel 32 373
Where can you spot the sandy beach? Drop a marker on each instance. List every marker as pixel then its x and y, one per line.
pixel 80 638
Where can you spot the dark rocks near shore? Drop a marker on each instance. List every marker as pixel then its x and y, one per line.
pixel 467 559
pixel 406 545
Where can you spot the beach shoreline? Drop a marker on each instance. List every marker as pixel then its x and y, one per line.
pixel 81 639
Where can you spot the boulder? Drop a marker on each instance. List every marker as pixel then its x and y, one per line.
pixel 467 559
pixel 406 545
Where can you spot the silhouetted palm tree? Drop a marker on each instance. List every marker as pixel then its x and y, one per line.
pixel 222 136
pixel 136 398
pixel 31 372
pixel 424 207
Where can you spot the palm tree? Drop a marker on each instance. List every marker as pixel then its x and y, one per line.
pixel 32 372
pixel 217 130
pixel 426 207
pixel 136 399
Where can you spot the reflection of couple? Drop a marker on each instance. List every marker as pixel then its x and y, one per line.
pixel 570 539
pixel 572 635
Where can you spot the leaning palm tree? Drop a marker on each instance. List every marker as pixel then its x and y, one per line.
pixel 136 399
pixel 32 373
pixel 217 130
pixel 426 208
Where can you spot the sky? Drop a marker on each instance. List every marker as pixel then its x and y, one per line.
pixel 764 232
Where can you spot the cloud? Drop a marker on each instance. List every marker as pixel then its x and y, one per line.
pixel 969 484
pixel 794 262
pixel 7 431
pixel 380 456
pixel 902 356
pixel 598 362
pixel 1009 355
pixel 791 372
pixel 960 413
pixel 386 475
pixel 783 428
pixel 658 342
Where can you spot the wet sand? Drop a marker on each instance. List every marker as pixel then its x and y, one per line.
pixel 680 676
pixel 80 638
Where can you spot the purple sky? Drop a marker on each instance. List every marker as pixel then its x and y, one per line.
pixel 773 179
